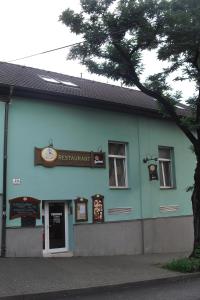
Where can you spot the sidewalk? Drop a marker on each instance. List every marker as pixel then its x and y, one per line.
pixel 29 276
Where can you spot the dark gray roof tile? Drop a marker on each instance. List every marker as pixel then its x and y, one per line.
pixel 29 78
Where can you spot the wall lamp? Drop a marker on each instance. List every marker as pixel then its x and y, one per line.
pixel 147 159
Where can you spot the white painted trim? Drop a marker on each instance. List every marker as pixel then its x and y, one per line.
pixel 171 164
pixel 115 168
pixel 66 227
pixel 163 173
pixel 47 250
pixel 164 159
pixel 126 167
pixel 161 161
pixel 116 156
pixel 46 226
pixel 166 187
pixel 119 187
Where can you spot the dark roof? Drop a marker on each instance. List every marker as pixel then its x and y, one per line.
pixel 28 80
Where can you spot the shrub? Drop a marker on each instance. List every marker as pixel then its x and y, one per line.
pixel 184 265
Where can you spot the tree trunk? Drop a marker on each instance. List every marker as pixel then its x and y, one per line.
pixel 196 211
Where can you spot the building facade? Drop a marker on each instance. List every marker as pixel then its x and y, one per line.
pixel 89 178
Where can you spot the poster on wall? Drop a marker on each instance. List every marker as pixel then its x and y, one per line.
pixel 81 210
pixel 98 208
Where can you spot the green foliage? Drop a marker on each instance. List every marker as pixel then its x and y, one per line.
pixel 157 82
pixel 115 34
pixel 171 27
pixel 190 188
pixel 184 265
pixel 73 20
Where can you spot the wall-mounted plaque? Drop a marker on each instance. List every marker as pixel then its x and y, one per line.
pixel 153 173
pixel 98 208
pixel 24 207
pixel 81 210
pixel 50 157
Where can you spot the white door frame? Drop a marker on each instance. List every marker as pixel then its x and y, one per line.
pixel 47 250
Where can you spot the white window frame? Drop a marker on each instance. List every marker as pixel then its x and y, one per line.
pixel 124 157
pixel 161 161
pixel 47 250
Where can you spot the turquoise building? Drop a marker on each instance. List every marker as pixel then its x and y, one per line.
pixel 89 168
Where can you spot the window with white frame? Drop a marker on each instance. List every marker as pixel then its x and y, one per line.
pixel 166 167
pixel 117 164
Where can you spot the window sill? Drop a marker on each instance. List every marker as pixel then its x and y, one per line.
pixel 119 188
pixel 167 187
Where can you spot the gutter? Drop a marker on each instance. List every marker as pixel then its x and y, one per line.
pixel 5 162
pixel 35 93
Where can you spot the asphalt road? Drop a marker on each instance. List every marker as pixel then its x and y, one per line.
pixel 181 290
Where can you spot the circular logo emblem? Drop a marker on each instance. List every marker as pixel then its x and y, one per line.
pixel 152 168
pixel 49 154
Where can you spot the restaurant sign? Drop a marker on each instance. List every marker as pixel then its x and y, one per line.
pixel 50 157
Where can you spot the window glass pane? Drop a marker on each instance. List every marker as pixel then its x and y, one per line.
pixel 161 174
pixel 167 172
pixel 120 172
pixel 111 172
pixel 116 149
pixel 164 153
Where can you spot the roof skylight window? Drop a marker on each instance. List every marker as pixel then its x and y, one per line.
pixel 49 79
pixel 58 81
pixel 69 83
pixel 180 107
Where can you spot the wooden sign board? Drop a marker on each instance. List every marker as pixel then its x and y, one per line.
pixel 69 158
pixel 24 207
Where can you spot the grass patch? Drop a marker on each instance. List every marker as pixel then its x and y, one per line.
pixel 184 265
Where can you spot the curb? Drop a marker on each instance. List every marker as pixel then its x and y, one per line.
pixel 99 289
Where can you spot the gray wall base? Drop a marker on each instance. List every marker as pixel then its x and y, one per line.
pixel 162 235
pixel 24 242
pixel 108 238
pixel 165 235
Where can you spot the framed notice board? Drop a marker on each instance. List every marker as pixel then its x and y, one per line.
pixel 26 208
pixel 81 210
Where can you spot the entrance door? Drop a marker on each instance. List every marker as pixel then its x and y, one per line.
pixel 56 229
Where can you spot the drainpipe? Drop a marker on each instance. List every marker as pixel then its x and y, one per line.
pixel 5 155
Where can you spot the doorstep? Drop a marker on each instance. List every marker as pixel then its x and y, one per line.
pixel 58 254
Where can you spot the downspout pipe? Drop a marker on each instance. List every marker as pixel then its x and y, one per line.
pixel 5 163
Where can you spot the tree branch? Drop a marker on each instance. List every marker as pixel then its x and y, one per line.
pixel 169 108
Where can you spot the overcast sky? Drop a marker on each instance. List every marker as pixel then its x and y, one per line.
pixel 32 26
